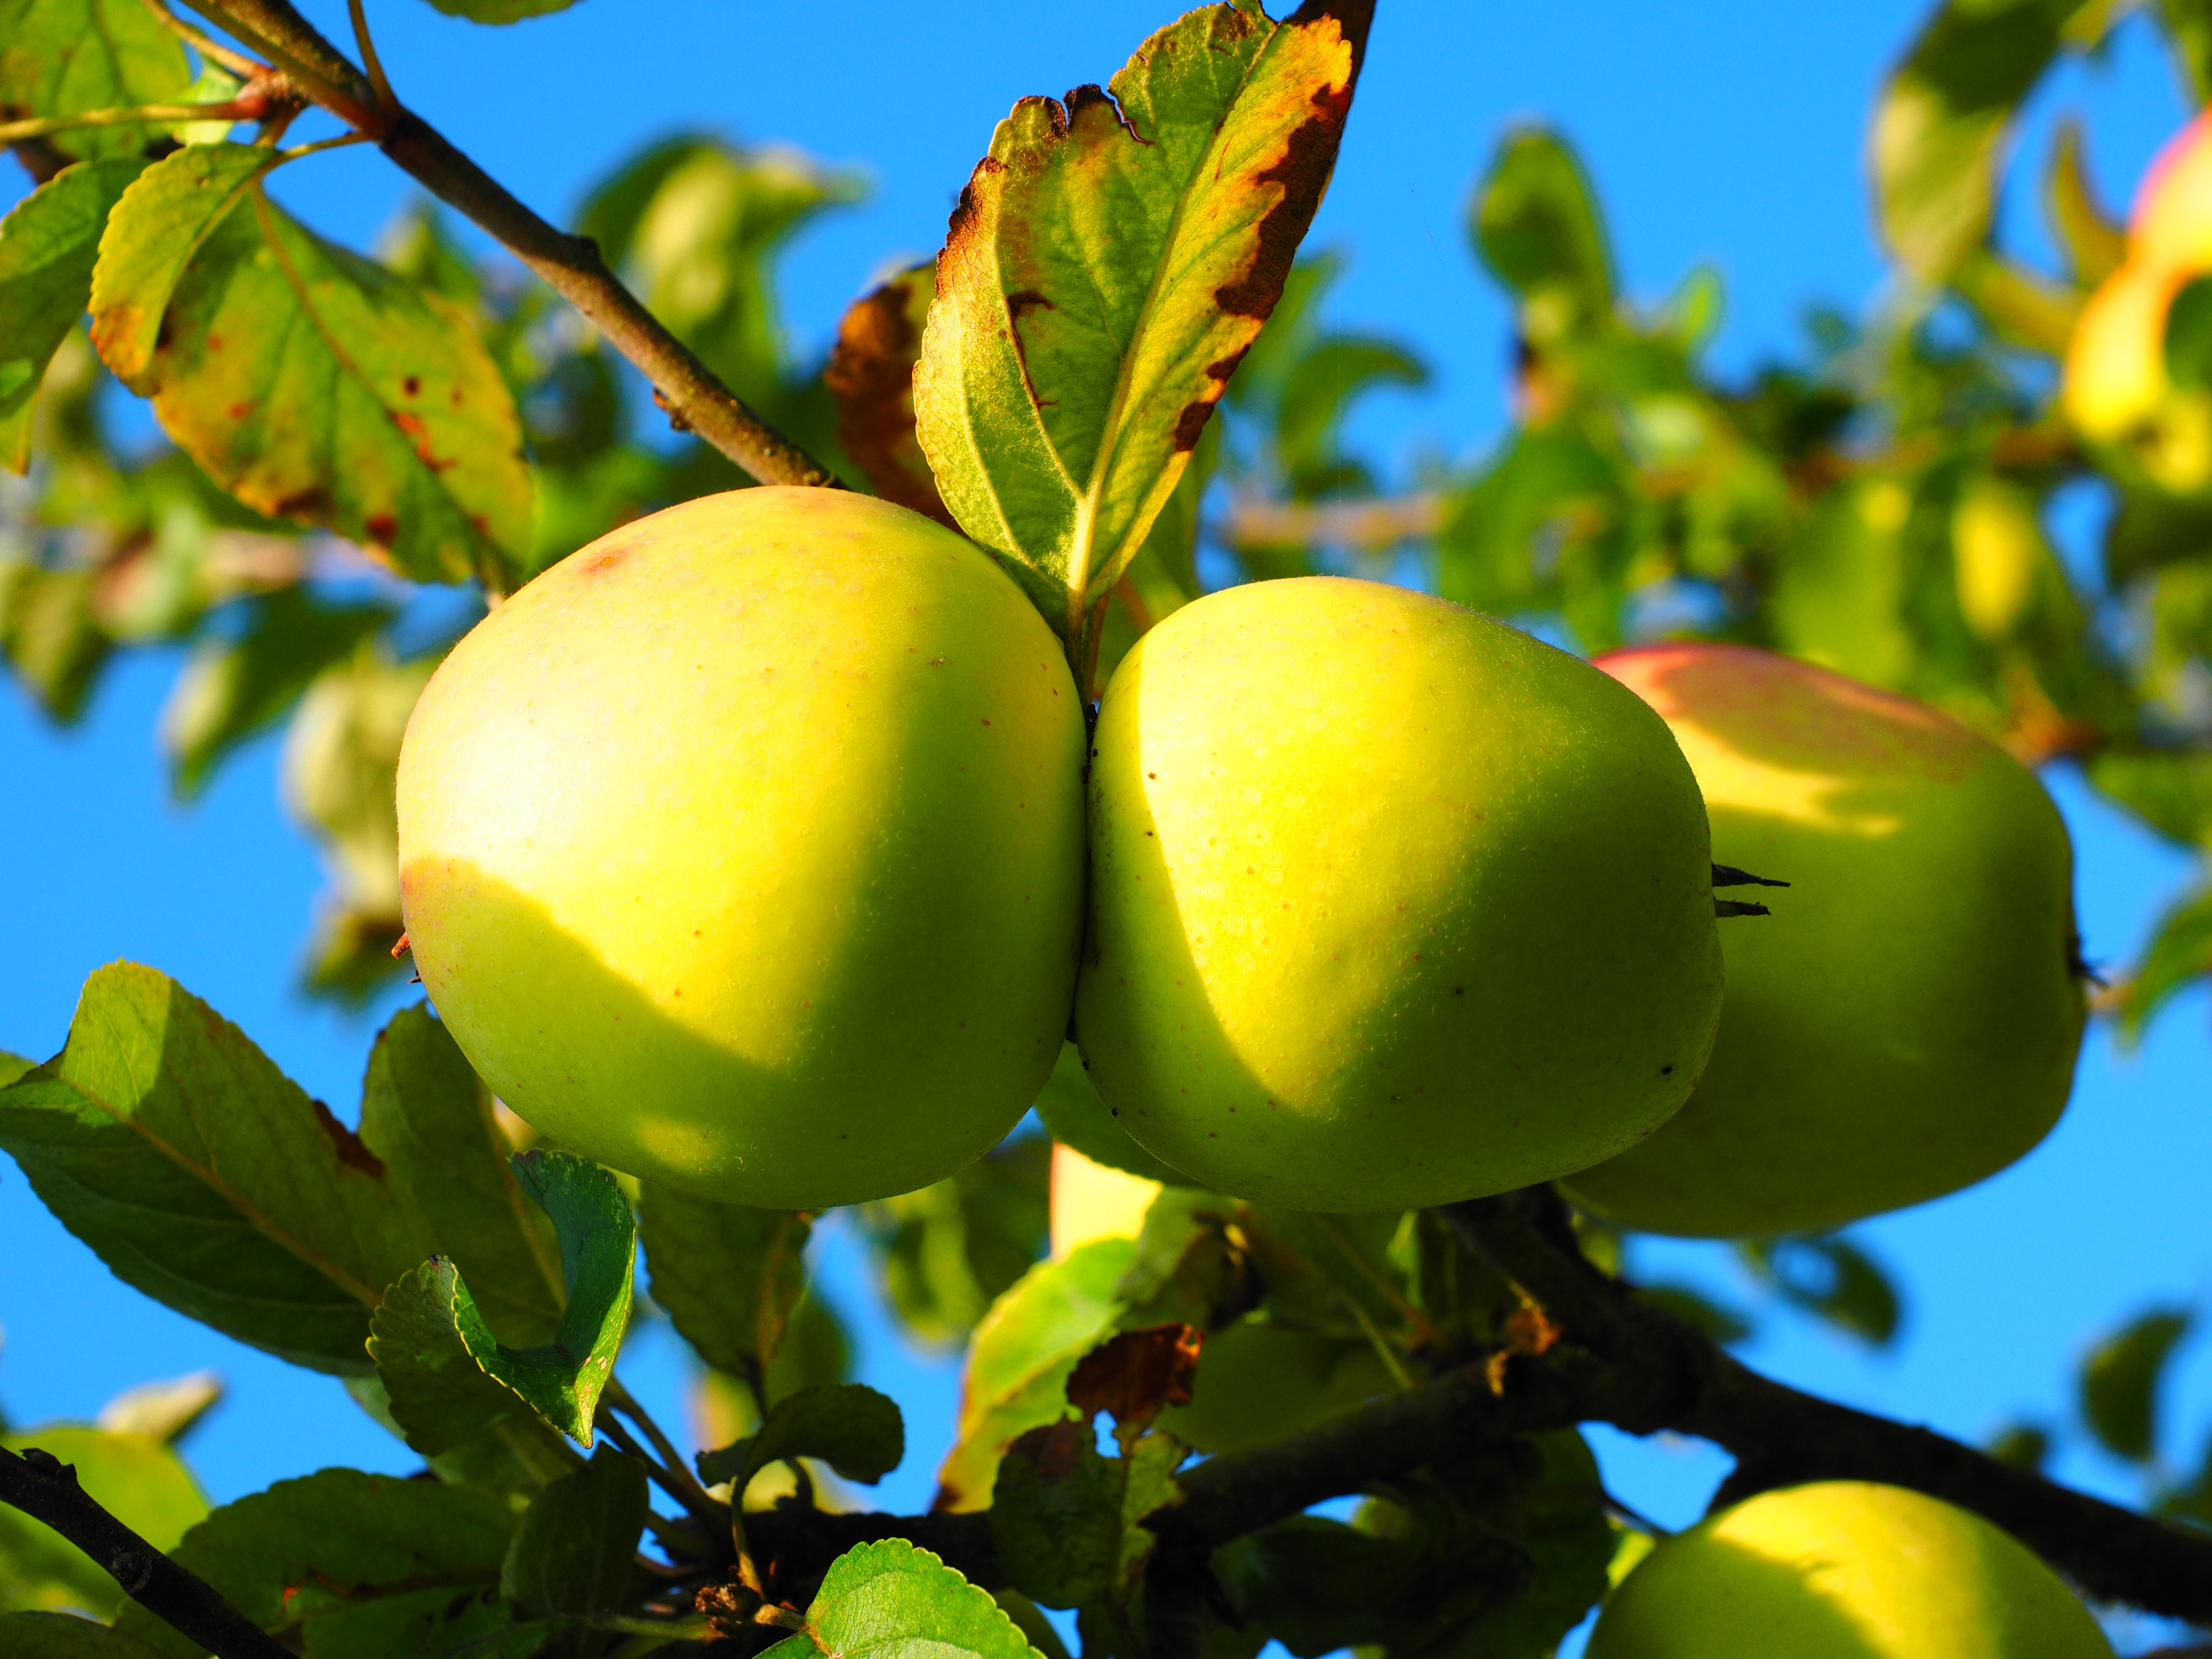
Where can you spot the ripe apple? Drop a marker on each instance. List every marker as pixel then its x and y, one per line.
pixel 1905 1023
pixel 1391 904
pixel 1845 1569
pixel 742 850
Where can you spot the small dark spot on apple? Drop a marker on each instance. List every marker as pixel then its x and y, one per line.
pixel 1666 1071
pixel 412 385
pixel 1459 990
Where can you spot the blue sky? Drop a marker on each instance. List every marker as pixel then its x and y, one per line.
pixel 1726 133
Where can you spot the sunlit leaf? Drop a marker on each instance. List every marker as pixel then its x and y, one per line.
pixel 167 1411
pixel 48 243
pixel 1537 226
pixel 1111 260
pixel 893 1598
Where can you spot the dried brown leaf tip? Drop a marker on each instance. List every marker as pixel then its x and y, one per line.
pixel 1138 1375
pixel 871 376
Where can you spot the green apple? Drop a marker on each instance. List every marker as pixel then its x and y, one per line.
pixel 742 850
pixel 1845 1569
pixel 1391 904
pixel 1905 1023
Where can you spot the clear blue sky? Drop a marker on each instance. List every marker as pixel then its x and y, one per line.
pixel 1725 132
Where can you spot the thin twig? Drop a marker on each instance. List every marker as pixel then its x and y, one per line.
pixel 236 61
pixel 46 1489
pixel 701 1507
pixel 627 1403
pixel 571 265
pixel 140 115
pixel 386 99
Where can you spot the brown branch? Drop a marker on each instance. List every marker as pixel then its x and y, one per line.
pixel 570 265
pixel 46 1490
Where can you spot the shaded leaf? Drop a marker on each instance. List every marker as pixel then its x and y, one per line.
pixel 61 1636
pixel 48 242
pixel 2170 791
pixel 571 1552
pixel 948 1250
pixel 2094 244
pixel 430 1119
pixel 233 689
pixel 1069 1520
pixel 51 634
pixel 871 374
pixel 1831 1281
pixel 1537 228
pixel 1939 129
pixel 69 56
pixel 895 1599
pixel 1322 385
pixel 204 1177
pixel 727 1275
pixel 311 383
pixel 449 1378
pixel 2021 1446
pixel 1111 260
pixel 1075 1116
pixel 500 11
pixel 2120 1383
pixel 138 1478
pixel 1024 1350
pixel 305 1548
pixel 857 1431
pixel 1722 1324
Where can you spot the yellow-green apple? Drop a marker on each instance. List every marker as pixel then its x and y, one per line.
pixel 1905 1023
pixel 742 850
pixel 1391 904
pixel 1845 1569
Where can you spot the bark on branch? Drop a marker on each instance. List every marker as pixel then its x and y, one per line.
pixel 570 265
pixel 46 1490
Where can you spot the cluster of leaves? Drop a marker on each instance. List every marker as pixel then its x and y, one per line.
pixel 351 438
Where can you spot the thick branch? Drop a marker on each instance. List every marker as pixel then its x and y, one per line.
pixel 46 1490
pixel 570 265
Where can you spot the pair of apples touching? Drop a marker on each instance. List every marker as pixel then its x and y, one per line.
pixel 748 850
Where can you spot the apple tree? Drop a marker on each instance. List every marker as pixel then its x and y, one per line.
pixel 1115 379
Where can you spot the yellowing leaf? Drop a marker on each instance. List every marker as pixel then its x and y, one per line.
pixel 66 56
pixel 1110 262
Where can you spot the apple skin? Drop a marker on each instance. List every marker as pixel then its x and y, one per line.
pixel 1845 1569
pixel 742 850
pixel 1391 904
pixel 1905 1023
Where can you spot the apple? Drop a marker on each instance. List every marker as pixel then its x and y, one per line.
pixel 1391 904
pixel 1905 1023
pixel 1092 1201
pixel 1845 1569
pixel 742 850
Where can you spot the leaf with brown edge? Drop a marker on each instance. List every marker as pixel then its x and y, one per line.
pixel 1108 263
pixel 1138 1375
pixel 871 376
pixel 311 383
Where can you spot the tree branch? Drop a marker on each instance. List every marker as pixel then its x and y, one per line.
pixel 570 265
pixel 45 1489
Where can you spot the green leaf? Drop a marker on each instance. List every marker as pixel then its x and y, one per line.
pixel 727 1275
pixel 1839 599
pixel 233 689
pixel 1075 1116
pixel 2189 26
pixel 1939 131
pixel 2120 1383
pixel 449 1378
pixel 70 56
pixel 848 1425
pixel 60 1636
pixel 430 1119
pixel 2179 951
pixel 204 1177
pixel 500 11
pixel 48 242
pixel 2096 246
pixel 949 1250
pixel 2189 336
pixel 1716 1320
pixel 893 1600
pixel 571 1553
pixel 51 634
pixel 1110 261
pixel 307 1548
pixel 1319 388
pixel 214 84
pixel 2171 790
pixel 136 1477
pixel 1537 226
pixel 341 763
pixel 1024 1350
pixel 165 1411
pixel 1830 1279
pixel 696 224
pixel 311 383
pixel 1068 1520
